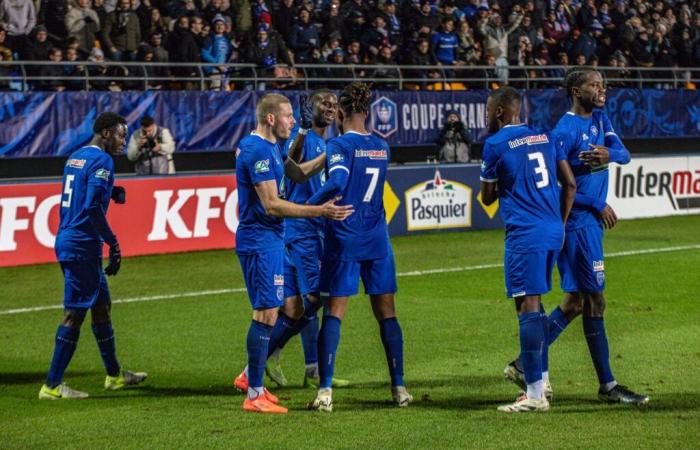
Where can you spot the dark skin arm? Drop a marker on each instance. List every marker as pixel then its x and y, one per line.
pixel 299 173
pixel 489 193
pixel 568 188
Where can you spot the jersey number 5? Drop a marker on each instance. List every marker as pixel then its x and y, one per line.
pixel 374 173
pixel 68 190
pixel 541 169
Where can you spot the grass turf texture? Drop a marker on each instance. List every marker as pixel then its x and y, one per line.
pixel 459 333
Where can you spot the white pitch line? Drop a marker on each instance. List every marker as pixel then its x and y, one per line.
pixel 414 273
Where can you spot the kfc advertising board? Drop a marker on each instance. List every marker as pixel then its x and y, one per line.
pixel 161 215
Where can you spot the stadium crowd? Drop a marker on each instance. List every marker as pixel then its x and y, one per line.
pixel 273 34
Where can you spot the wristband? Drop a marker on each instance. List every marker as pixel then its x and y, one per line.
pixel 303 131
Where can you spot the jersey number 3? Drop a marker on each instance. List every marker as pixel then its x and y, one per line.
pixel 374 173
pixel 68 191
pixel 541 169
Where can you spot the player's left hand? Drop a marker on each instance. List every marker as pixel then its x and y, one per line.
pixel 115 260
pixel 306 112
pixel 119 194
pixel 598 156
pixel 336 212
pixel 608 217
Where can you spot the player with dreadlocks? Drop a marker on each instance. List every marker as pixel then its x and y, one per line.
pixel 357 163
pixel 590 143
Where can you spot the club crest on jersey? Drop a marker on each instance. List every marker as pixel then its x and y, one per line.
pixel 336 158
pixel 279 280
pixel 594 130
pixel 598 266
pixel 529 140
pixel 384 117
pixel 585 137
pixel 600 278
pixel 76 163
pixel 102 174
pixel 262 166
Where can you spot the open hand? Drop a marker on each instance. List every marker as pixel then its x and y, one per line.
pixel 608 217
pixel 336 212
pixel 598 156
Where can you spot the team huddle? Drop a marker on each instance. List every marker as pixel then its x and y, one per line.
pixel 312 224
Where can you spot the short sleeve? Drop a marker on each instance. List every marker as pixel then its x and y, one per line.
pixel 489 164
pixel 560 147
pixel 337 157
pixel 260 165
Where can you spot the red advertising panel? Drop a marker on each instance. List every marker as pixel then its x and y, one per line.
pixel 161 215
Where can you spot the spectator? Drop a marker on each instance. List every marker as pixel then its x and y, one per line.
pixel 266 53
pixel 496 42
pixel 449 9
pixel 97 71
pixel 151 74
pixel 83 23
pixel 554 33
pixel 586 43
pixel 444 43
pixel 37 48
pixel 283 18
pixel 331 20
pixel 152 23
pixel 304 38
pixel 215 8
pixel 377 37
pixel 52 70
pixel 197 29
pixel 385 58
pixel 121 33
pixel 422 56
pixel 217 50
pixel 338 70
pixel 160 54
pixel 99 7
pixel 182 48
pixel 642 50
pixel 74 71
pixel 354 23
pixel 17 18
pixel 52 14
pixel 243 19
pixel 151 148
pixel 331 44
pixel 393 22
pixel 466 44
pixel 454 140
pixel 424 21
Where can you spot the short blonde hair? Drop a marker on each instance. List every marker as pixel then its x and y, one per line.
pixel 269 104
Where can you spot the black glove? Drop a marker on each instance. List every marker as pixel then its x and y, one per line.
pixel 306 112
pixel 115 260
pixel 88 19
pixel 119 194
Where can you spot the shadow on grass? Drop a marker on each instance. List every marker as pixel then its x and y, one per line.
pixel 16 378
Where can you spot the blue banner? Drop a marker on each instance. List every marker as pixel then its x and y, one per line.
pixel 56 124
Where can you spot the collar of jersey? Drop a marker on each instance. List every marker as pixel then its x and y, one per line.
pixel 253 133
pixel 513 125
pixel 356 132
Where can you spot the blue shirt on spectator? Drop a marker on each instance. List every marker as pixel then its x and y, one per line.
pixel 444 45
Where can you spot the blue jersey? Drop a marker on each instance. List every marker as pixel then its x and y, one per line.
pixel 445 46
pixel 257 160
pixel 576 133
pixel 523 161
pixel 296 229
pixel 363 235
pixel 77 237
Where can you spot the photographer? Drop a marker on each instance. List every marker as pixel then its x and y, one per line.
pixel 151 147
pixel 454 140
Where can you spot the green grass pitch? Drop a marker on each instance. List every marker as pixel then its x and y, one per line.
pixel 459 332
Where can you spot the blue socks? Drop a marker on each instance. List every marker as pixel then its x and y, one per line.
pixel 104 335
pixel 281 333
pixel 257 344
pixel 544 321
pixel 594 329
pixel 66 342
pixel 531 345
pixel 392 338
pixel 557 323
pixel 309 334
pixel 328 340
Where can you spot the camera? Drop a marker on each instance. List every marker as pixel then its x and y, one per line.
pixel 148 147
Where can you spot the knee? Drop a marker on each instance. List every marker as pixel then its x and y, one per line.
pixel 594 305
pixel 572 306
pixel 73 319
pixel 294 308
pixel 101 313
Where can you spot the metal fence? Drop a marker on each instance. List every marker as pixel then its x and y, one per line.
pixel 88 75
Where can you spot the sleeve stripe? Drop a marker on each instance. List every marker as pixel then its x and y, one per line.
pixel 611 133
pixel 488 180
pixel 339 167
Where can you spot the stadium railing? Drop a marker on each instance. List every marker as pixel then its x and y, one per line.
pixel 23 76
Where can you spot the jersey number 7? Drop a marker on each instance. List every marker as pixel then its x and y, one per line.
pixel 374 173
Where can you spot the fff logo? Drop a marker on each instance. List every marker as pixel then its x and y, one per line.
pixel 384 119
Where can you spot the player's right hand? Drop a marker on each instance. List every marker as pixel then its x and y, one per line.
pixel 336 212
pixel 118 194
pixel 115 260
pixel 608 217
pixel 306 112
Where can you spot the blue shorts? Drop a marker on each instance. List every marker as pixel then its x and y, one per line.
pixel 264 278
pixel 581 262
pixel 85 284
pixel 341 278
pixel 529 273
pixel 302 267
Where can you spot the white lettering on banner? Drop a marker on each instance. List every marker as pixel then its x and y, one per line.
pixel 9 223
pixel 231 211
pixel 205 211
pixel 438 203
pixel 431 116
pixel 165 215
pixel 41 221
pixel 649 187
